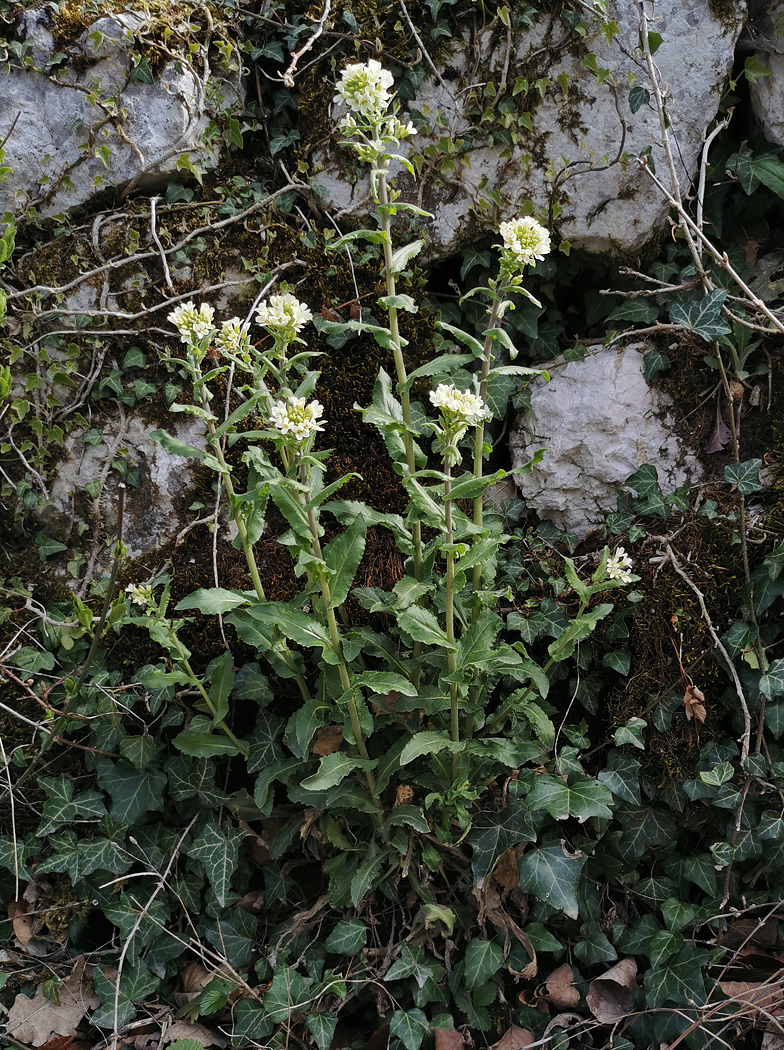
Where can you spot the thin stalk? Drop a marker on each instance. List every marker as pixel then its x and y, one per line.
pixel 334 634
pixel 247 547
pixel 397 350
pixel 450 610
pixel 479 438
pixel 204 694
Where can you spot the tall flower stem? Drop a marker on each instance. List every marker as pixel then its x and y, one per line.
pixel 479 437
pixel 247 548
pixel 450 609
pixel 334 634
pixel 204 694
pixel 397 350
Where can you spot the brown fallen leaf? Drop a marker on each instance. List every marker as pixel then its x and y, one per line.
pixel 449 1039
pixel 608 1000
pixel 404 794
pixel 529 998
pixel 559 988
pixel 506 874
pixel 193 1030
pixel 514 1038
pixel 38 1020
pixel 764 998
pixel 694 704
pixel 328 740
pixel 194 977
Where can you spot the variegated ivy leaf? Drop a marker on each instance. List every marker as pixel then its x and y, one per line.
pixel 218 851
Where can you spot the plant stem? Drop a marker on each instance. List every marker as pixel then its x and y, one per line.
pixel 334 634
pixel 204 694
pixel 247 547
pixel 479 438
pixel 450 610
pixel 397 350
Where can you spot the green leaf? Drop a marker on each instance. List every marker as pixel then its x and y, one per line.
pixel 410 1027
pixel 680 981
pixel 204 745
pixel 703 317
pixel 399 302
pixel 638 97
pixel 136 984
pixel 218 852
pixel 366 875
pixel 263 747
pixel 470 341
pixel 745 475
pixel 677 914
pixel 654 362
pixel 334 768
pixel 770 172
pixel 322 1028
pixel 416 962
pixel 593 946
pixel 343 555
pixel 347 938
pixel 552 873
pixel 492 834
pixel 718 775
pixel 403 255
pixel 47 546
pixel 622 777
pixel 580 797
pixel 634 310
pixel 140 751
pixel 631 733
pixel 423 627
pixel 300 627
pixel 483 960
pixel 772 682
pixel 701 870
pixel 214 600
pixel 373 236
pixel 618 660
pixel 428 742
pixel 288 994
pixel 133 792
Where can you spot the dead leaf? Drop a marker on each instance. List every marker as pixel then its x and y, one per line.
pixel 194 977
pixel 559 988
pixel 193 1030
pixel 356 311
pixel 21 921
pixel 252 902
pixel 608 1000
pixel 749 934
pixel 694 704
pixel 449 1039
pixel 404 795
pixel 506 874
pixel 750 251
pixel 529 998
pixel 766 998
pixel 514 1038
pixel 772 1041
pixel 38 1020
pixel 328 740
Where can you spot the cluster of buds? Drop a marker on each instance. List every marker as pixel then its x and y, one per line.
pixel 460 409
pixel 526 242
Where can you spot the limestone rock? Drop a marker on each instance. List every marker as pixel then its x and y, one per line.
pixel 580 124
pixel 151 517
pixel 85 125
pixel 599 421
pixel 764 36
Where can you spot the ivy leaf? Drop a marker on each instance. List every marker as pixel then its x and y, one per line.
pixel 580 797
pixel 677 914
pixel 263 747
pixel 655 361
pixel 638 97
pixel 347 938
pixel 622 777
pixel 288 994
pixel 483 960
pixel 631 733
pixel 645 481
pixel 593 946
pixel 218 853
pixel 417 963
pixel 552 873
pixel 188 779
pixel 618 660
pixel 136 985
pixel 680 981
pixel 322 1028
pixel 492 834
pixel 233 937
pixel 745 475
pixel 410 1027
pixel 140 751
pixel 204 745
pixel 702 317
pixel 771 684
pixel 133 792
pixel 702 871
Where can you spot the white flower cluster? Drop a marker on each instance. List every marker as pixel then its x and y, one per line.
pixel 193 324
pixel 233 338
pixel 464 406
pixel 139 594
pixel 526 239
pixel 365 89
pixel 619 566
pixel 284 315
pixel 295 417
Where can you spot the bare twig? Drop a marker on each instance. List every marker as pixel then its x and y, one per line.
pixel 288 76
pixel 156 238
pixel 422 47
